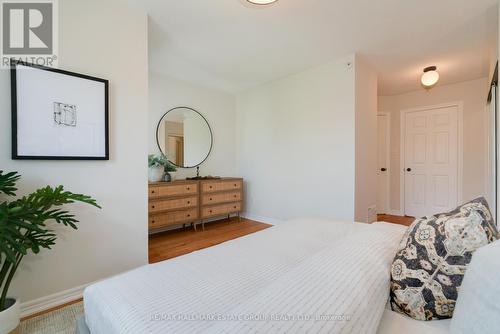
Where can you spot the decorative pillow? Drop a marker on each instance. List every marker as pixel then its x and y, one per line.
pixel 478 306
pixel 434 253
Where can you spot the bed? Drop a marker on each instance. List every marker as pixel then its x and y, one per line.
pixel 307 275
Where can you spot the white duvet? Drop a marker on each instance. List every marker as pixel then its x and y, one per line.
pixel 302 276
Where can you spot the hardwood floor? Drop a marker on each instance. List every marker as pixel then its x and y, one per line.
pixel 401 220
pixel 170 244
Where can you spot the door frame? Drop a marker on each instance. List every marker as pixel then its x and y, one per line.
pixel 402 153
pixel 490 124
pixel 387 209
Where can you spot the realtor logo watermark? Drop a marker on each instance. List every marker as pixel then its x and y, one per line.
pixel 29 32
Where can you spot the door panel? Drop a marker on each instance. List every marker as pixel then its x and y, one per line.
pixel 418 185
pixel 442 145
pixel 441 184
pixel 383 164
pixel 431 161
pixel 419 121
pixel 419 148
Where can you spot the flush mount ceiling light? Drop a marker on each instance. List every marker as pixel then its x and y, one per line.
pixel 430 76
pixel 262 2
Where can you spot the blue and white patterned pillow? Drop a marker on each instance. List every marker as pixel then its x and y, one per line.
pixel 434 253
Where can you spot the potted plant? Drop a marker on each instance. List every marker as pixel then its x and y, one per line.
pixel 169 169
pixel 159 168
pixel 24 229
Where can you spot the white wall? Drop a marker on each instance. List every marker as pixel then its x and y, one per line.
pixel 217 107
pixel 490 173
pixel 104 39
pixel 295 139
pixel 473 94
pixel 497 174
pixel 494 51
pixel 366 142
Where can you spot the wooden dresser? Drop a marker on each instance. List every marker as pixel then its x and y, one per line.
pixel 221 197
pixel 193 202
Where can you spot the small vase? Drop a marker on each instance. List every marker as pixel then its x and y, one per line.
pixel 9 318
pixel 155 174
pixel 167 177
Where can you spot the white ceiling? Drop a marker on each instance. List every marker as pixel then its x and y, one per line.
pixel 232 46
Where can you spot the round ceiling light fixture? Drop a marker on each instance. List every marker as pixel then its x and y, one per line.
pixel 262 2
pixel 430 76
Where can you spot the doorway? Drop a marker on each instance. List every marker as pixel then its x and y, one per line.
pixel 175 147
pixel 431 151
pixel 383 161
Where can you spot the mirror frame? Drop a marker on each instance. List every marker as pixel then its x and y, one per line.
pixel 209 129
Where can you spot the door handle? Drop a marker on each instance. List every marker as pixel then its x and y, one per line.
pixel 408 169
pixel 383 169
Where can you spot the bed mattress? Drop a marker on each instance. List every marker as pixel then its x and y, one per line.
pixel 304 275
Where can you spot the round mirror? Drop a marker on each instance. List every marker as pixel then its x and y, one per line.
pixel 184 137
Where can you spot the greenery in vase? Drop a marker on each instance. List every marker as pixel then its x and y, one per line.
pixel 160 160
pixel 24 224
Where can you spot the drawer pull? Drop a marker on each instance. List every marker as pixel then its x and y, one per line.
pixel 235 207
pixel 152 191
pixel 210 187
pixel 210 198
pixel 152 222
pixel 189 215
pixel 189 202
pixel 188 188
pixel 210 211
pixel 235 196
pixel 153 206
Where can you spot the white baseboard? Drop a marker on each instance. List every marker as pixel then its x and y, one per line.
pixel 395 213
pixel 267 220
pixel 391 213
pixel 51 301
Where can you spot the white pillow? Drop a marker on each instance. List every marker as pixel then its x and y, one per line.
pixel 478 305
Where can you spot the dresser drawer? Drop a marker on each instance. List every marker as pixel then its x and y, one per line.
pixel 214 186
pixel 153 192
pixel 218 210
pixel 232 196
pixel 172 218
pixel 177 190
pixel 173 204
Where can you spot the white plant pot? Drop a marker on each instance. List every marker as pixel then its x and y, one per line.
pixel 9 318
pixel 155 174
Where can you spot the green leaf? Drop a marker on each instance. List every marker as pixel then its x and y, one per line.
pixel 9 253
pixel 24 221
pixel 8 183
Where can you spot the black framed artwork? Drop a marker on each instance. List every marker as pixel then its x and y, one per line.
pixel 58 115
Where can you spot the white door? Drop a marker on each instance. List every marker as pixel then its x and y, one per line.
pixel 383 163
pixel 431 161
